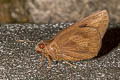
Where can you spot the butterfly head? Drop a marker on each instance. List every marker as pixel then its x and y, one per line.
pixel 40 47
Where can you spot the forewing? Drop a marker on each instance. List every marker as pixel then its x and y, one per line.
pixel 83 44
pixel 98 20
pixel 82 40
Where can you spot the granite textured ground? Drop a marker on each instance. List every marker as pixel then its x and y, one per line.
pixel 19 61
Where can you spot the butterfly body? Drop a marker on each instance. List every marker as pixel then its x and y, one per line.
pixel 80 41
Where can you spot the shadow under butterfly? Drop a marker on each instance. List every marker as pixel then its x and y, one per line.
pixel 111 39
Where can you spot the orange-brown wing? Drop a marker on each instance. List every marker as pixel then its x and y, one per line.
pixel 98 20
pixel 84 43
pixel 82 40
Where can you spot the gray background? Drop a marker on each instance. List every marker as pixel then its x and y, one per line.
pixel 19 61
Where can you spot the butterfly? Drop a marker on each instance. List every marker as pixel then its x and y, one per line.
pixel 80 41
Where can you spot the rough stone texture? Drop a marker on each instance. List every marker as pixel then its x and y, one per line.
pixel 19 61
pixel 54 11
pixel 12 11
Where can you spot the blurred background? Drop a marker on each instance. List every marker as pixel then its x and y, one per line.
pixel 55 11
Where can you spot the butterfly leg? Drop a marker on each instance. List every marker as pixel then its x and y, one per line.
pixel 49 63
pixel 74 66
pixel 41 60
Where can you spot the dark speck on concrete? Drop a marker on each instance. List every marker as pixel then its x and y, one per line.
pixel 19 61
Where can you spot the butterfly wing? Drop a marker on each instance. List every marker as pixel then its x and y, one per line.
pixel 98 20
pixel 82 40
pixel 83 43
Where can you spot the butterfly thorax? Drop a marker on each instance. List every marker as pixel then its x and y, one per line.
pixel 53 49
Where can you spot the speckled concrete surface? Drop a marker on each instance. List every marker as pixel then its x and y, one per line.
pixel 18 61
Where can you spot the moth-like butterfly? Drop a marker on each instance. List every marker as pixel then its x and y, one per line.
pixel 80 41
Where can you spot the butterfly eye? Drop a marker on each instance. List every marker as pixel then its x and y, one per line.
pixel 41 45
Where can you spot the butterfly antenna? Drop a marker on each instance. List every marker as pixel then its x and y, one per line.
pixel 24 41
